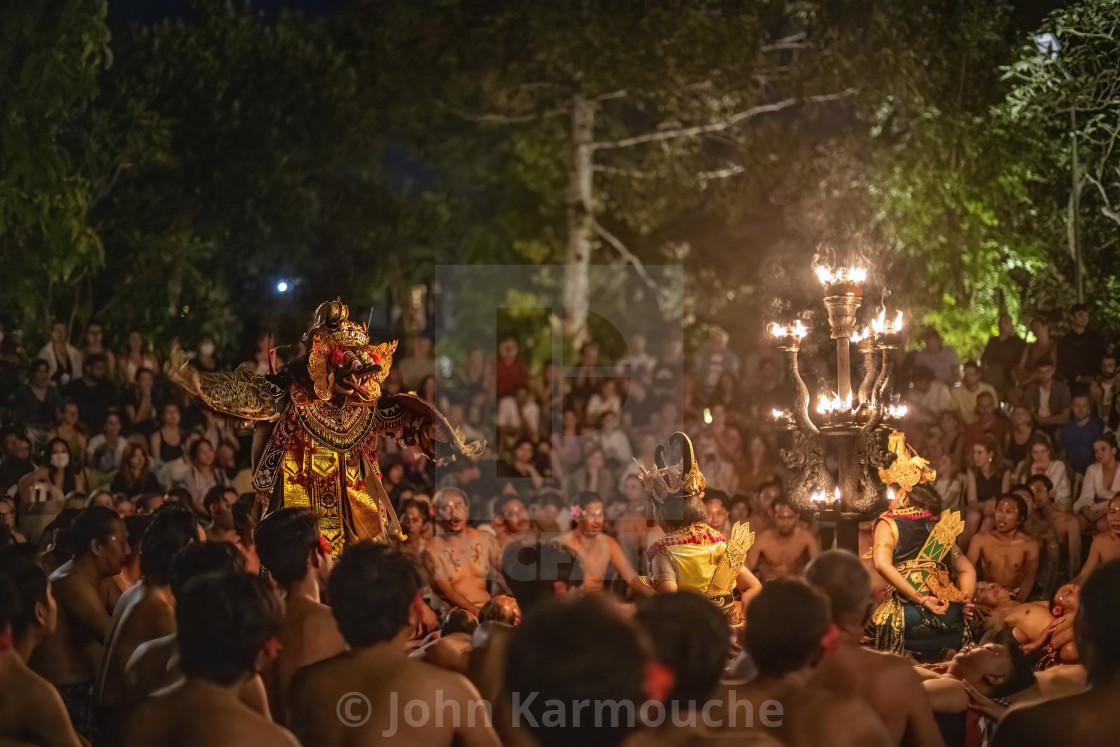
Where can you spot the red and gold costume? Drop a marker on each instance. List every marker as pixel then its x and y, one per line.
pixel 320 423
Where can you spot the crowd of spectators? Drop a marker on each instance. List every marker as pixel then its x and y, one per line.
pixel 112 475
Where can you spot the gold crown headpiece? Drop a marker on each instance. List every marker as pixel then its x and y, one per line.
pixel 908 469
pixel 333 338
pixel 682 479
pixel 332 323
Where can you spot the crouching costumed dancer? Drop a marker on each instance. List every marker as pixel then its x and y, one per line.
pixel 692 555
pixel 320 420
pixel 914 551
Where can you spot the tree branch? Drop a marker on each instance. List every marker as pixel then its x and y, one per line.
pixel 734 119
pixel 626 254
pixel 628 173
pixel 502 119
pixel 725 173
pixel 796 41
pixel 1106 209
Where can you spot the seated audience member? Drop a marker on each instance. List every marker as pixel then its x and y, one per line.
pixel 1088 718
pixel 1007 555
pixel 148 503
pixel 1077 436
pixel 884 681
pixel 988 422
pixel 1041 460
pixel 135 474
pixel 298 558
pixel 218 502
pixel 783 550
pixel 788 630
pixel 971 387
pixel 415 522
pixel 1027 620
pixel 31 711
pixel 42 492
pixel 69 659
pixel 1106 545
pixel 111 438
pixel 226 625
pixel 462 558
pixel 1102 482
pixel 597 552
pixel 1050 400
pixel 925 400
pixel 374 593
pixel 579 650
pixel 144 613
pixel 8 519
pixel 987 481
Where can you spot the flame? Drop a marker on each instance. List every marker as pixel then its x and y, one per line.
pixel 818 497
pixel 881 325
pixel 777 414
pixel 797 329
pixel 828 276
pixel 890 494
pixel 837 496
pixel 897 411
pixel 835 404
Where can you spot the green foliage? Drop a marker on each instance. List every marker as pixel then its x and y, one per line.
pixel 1074 90
pixel 51 54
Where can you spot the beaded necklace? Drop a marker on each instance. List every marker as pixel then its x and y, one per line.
pixel 694 534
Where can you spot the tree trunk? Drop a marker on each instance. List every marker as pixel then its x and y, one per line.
pixel 578 254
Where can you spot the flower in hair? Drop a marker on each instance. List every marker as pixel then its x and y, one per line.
pixel 576 512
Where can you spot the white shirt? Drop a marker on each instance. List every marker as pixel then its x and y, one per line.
pixel 1043 401
pixel 1093 490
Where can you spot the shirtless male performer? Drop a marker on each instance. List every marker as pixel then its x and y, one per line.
pixel 886 682
pixel 788 629
pixel 1088 718
pixel 154 666
pixel 1106 545
pixel 1028 620
pixel 144 613
pixel 299 559
pixel 462 557
pixel 226 624
pixel 360 696
pixel 31 712
pixel 1006 554
pixel 783 550
pixel 595 550
pixel 69 658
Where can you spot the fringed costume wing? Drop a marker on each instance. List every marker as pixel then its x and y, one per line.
pixel 413 421
pixel 240 394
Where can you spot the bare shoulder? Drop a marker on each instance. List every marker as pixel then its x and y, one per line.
pixel 427 679
pixel 310 677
